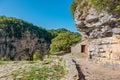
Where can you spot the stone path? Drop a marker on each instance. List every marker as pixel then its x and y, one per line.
pixel 72 72
pixel 91 70
pixel 94 71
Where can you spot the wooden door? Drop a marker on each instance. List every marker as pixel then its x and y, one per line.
pixel 82 48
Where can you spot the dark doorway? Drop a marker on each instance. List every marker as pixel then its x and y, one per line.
pixel 82 48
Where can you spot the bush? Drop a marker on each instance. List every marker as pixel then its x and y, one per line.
pixel 63 41
pixel 38 56
pixel 4 59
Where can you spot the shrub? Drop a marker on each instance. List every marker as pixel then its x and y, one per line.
pixel 4 59
pixel 38 56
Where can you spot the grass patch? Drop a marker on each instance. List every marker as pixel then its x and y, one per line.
pixel 31 62
pixel 15 62
pixel 49 70
pixel 1 63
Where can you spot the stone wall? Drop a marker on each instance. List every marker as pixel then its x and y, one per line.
pixel 76 48
pixel 105 47
pixel 105 51
pixel 114 64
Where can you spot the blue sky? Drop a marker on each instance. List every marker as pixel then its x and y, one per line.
pixel 49 14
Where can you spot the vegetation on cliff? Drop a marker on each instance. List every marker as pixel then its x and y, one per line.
pixel 20 39
pixel 13 27
pixel 111 6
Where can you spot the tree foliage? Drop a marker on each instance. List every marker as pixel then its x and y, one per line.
pixel 17 27
pixel 56 32
pixel 63 41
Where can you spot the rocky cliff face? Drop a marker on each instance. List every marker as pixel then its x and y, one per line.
pixel 22 49
pixel 102 30
pixel 94 24
pixel 19 40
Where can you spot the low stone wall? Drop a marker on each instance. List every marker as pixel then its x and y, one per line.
pixel 105 47
pixel 105 51
pixel 114 64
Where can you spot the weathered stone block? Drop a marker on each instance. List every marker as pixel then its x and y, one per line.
pixel 115 57
pixel 116 66
pixel 103 55
pixel 101 50
pixel 116 30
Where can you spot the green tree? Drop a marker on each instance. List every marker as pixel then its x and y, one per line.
pixel 56 32
pixel 63 41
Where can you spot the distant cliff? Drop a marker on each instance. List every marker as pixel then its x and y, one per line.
pixel 19 39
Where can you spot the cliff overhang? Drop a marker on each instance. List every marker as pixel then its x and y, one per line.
pixel 94 23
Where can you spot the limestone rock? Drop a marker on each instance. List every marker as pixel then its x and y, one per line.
pixel 103 31
pixel 91 18
pixel 115 57
pixel 116 30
